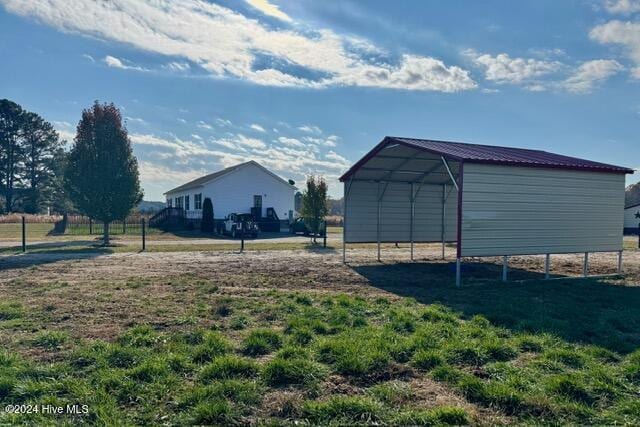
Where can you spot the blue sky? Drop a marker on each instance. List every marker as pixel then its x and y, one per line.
pixel 306 86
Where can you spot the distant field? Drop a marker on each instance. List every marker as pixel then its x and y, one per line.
pixel 272 337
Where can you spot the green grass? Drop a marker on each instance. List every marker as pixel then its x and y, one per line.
pixel 318 359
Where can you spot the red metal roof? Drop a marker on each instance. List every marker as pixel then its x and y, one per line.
pixel 476 153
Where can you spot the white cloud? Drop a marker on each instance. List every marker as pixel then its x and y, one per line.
pixel 332 155
pixel 624 7
pixel 224 122
pixel 269 9
pixel 88 57
pixel 291 142
pixel 114 62
pixel 180 67
pixel 135 120
pixel 250 142
pixel 168 162
pixel 257 128
pixel 504 69
pixel 310 129
pixel 196 136
pixel 590 74
pixel 225 44
pixel 626 34
pixel 330 141
pixel 204 125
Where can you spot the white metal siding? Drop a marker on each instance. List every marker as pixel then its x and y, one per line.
pixel 518 211
pixel 395 213
pixel 233 193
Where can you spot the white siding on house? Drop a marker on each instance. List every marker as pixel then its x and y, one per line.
pixel 395 213
pixel 521 211
pixel 233 193
pixel 630 219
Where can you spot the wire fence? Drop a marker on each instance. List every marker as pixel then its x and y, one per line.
pixel 82 225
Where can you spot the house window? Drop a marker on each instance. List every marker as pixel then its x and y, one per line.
pixel 197 201
pixel 179 202
pixel 186 202
pixel 169 202
pixel 257 201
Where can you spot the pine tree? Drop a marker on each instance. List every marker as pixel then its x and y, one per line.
pixel 314 204
pixel 11 150
pixel 101 177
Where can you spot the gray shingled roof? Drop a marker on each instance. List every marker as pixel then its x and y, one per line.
pixel 198 182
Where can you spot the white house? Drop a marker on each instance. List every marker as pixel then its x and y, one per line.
pixel 631 219
pixel 236 189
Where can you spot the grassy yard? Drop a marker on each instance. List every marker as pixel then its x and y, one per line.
pixel 318 343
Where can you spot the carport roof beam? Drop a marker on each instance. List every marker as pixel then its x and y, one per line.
pixel 446 165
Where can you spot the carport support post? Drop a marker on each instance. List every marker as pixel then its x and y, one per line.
pixel 619 262
pixel 505 267
pixel 413 211
pixel 24 235
pixel 547 266
pixel 458 278
pixel 378 228
pixel 444 200
pixel 585 266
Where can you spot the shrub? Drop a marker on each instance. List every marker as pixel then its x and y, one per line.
pixel 300 372
pixel 207 216
pixel 344 409
pixel 261 341
pixel 225 367
pixel 427 359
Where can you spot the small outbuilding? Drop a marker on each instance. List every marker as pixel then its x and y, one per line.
pixel 632 219
pixel 488 200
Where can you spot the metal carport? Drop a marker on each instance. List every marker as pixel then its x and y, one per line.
pixel 489 200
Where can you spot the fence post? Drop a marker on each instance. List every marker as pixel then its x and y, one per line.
pixel 24 235
pixel 144 237
pixel 90 226
pixel 324 239
pixel 124 226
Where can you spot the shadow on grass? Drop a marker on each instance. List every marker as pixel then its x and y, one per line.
pixel 589 311
pixel 46 253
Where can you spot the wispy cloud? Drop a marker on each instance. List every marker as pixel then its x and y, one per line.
pixel 590 74
pixel 114 62
pixel 225 43
pixel 310 129
pixel 287 156
pixel 624 7
pixel 502 68
pixel 257 128
pixel 270 9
